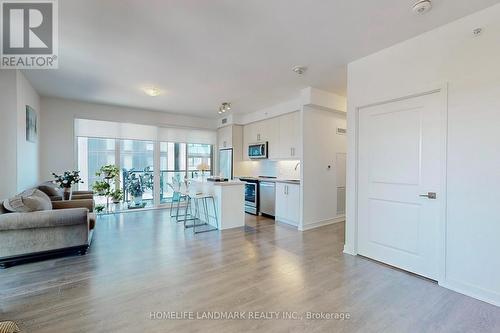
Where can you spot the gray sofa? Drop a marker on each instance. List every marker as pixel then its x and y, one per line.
pixel 66 229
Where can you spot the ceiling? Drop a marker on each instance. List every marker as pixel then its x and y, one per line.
pixel 201 53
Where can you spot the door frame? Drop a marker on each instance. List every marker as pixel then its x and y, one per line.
pixel 442 90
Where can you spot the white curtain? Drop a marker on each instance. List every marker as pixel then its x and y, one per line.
pixel 116 130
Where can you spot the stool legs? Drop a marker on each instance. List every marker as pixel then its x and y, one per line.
pixel 207 215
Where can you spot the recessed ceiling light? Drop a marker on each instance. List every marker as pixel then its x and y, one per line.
pixel 152 91
pixel 299 69
pixel 422 7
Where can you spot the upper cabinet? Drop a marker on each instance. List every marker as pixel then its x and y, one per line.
pixel 290 136
pixel 225 137
pixel 282 134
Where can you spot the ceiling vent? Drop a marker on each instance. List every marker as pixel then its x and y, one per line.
pixel 422 7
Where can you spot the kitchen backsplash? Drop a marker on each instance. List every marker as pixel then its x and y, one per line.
pixel 280 169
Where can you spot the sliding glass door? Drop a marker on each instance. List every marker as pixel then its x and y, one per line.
pixel 137 176
pixel 172 165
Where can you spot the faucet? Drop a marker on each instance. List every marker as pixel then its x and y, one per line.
pixel 296 166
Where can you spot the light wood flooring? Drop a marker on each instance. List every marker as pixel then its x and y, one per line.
pixel 143 262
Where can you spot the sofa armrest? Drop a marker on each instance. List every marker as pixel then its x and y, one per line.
pixel 80 203
pixel 81 196
pixel 83 193
pixel 44 219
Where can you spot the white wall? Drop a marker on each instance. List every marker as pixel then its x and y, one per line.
pixel 27 152
pixel 19 158
pixel 471 67
pixel 8 133
pixel 57 151
pixel 321 144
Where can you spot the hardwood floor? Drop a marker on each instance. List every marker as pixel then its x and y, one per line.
pixel 142 263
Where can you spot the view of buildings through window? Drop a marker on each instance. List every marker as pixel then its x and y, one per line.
pixel 176 160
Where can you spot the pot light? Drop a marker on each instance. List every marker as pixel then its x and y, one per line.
pixel 152 91
pixel 422 7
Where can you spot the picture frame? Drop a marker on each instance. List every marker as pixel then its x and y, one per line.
pixel 31 124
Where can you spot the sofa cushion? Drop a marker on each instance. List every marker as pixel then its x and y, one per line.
pixel 28 201
pixel 50 189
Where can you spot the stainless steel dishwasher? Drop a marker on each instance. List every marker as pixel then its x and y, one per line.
pixel 267 192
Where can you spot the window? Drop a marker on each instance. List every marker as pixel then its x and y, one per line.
pixel 92 154
pixel 173 165
pixel 176 160
pixel 199 160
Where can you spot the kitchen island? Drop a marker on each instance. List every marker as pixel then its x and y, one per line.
pixel 229 201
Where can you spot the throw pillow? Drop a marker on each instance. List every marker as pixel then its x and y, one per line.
pixel 28 201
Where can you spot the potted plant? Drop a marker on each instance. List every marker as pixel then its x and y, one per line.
pixel 109 171
pixel 99 208
pixel 116 196
pixel 66 182
pixel 107 186
pixel 135 187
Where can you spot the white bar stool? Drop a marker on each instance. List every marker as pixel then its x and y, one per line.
pixel 202 198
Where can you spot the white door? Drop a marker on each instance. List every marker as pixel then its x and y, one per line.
pixel 401 160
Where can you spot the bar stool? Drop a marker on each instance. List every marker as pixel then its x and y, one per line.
pixel 203 198
pixel 178 196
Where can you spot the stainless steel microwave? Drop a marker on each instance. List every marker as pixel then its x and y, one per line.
pixel 257 151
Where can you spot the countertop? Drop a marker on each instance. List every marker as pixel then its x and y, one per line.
pixel 275 180
pixel 229 183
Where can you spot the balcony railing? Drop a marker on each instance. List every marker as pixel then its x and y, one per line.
pixel 166 178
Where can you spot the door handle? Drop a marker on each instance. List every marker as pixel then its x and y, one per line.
pixel 429 195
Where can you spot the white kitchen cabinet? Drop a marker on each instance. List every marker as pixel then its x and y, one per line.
pixel 249 137
pixel 225 137
pixel 270 133
pixel 289 136
pixel 288 203
pixel 282 134
pixel 231 137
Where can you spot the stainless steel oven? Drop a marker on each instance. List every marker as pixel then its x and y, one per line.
pixel 251 195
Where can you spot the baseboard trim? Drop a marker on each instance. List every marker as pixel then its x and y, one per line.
pixel 349 250
pixel 318 224
pixel 471 291
pixel 7 262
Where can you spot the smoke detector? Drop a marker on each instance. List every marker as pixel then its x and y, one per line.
pixel 299 69
pixel 422 7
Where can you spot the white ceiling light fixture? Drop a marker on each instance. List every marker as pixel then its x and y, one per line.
pixel 226 106
pixel 300 70
pixel 152 91
pixel 422 7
